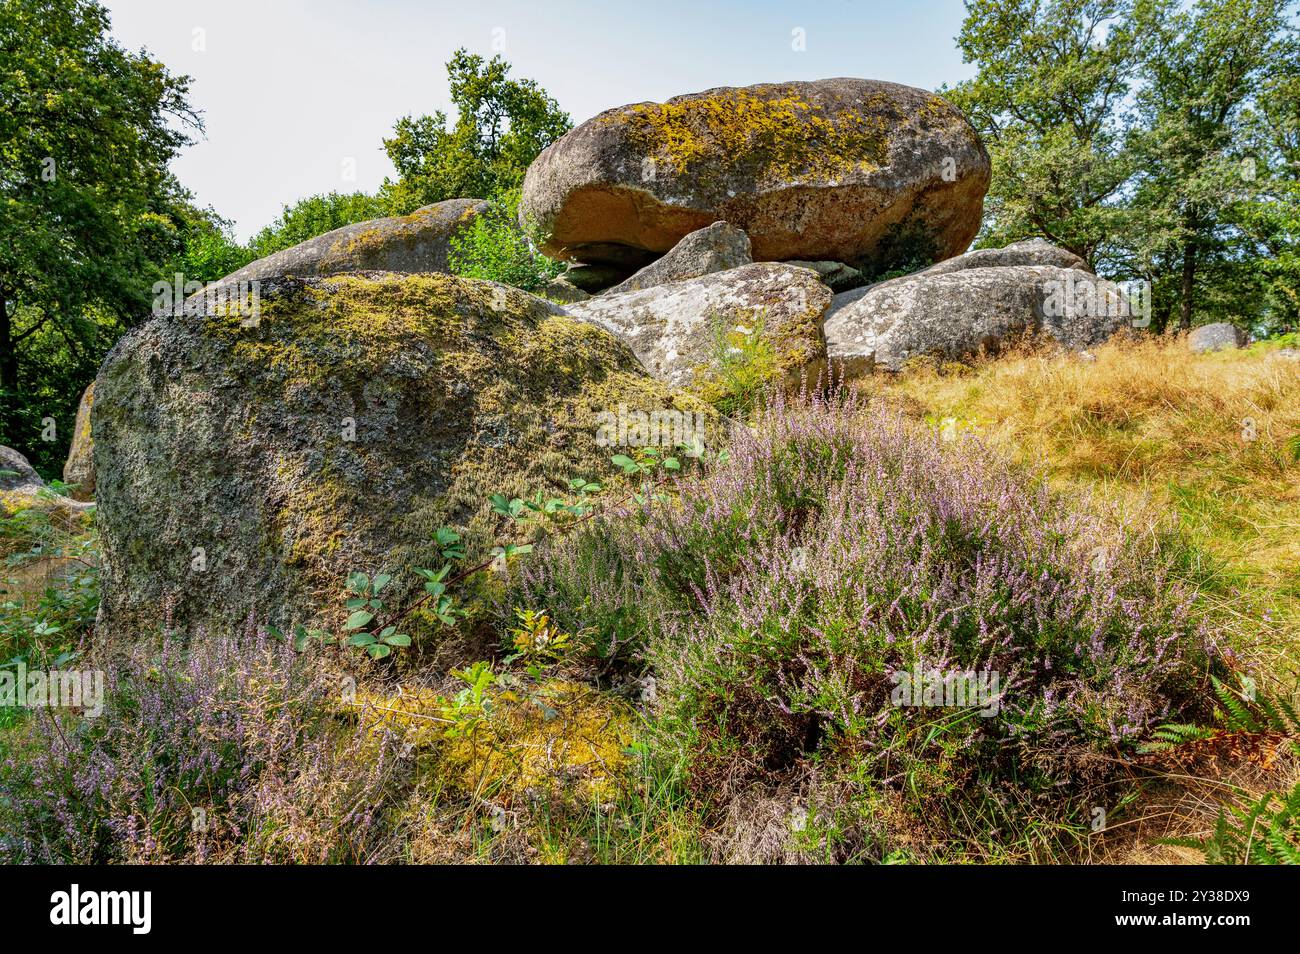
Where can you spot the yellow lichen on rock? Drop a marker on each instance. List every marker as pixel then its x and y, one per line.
pixel 793 138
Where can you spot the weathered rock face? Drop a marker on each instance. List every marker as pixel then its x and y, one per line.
pixel 1215 337
pixel 1035 251
pixel 247 470
pixel 836 276
pixel 418 242
pixel 956 315
pixel 714 248
pixel 16 473
pixel 80 467
pixel 850 170
pixel 1028 252
pixel 680 331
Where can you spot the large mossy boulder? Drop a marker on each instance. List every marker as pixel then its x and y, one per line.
pixel 244 471
pixel 767 315
pixel 849 170
pixel 1035 251
pixel 419 242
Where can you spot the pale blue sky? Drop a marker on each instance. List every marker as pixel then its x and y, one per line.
pixel 293 89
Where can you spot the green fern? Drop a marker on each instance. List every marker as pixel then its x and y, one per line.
pixel 1256 832
pixel 1252 834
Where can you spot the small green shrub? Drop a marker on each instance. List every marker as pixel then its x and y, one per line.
pixel 742 364
pixel 495 248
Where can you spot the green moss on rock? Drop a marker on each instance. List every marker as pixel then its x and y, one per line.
pixel 356 416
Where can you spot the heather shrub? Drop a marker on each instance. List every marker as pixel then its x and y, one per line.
pixel 226 749
pixel 782 602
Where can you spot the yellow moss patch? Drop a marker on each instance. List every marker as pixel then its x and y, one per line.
pixel 793 138
pixel 559 736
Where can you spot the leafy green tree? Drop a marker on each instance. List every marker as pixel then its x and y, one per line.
pixel 1270 215
pixel 209 250
pixel 1194 160
pixel 1048 101
pixel 87 205
pixel 315 215
pixel 501 126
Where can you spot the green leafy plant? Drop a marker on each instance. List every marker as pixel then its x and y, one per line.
pixel 494 247
pixel 469 709
pixel 365 605
pixel 1265 831
pixel 742 364
pixel 1254 725
pixel 537 641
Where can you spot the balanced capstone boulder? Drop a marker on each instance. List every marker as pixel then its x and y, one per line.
pixel 850 170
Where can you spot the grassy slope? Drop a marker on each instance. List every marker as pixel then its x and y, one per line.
pixel 1169 432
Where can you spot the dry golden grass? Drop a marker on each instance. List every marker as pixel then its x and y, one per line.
pixel 1209 442
pixel 1212 441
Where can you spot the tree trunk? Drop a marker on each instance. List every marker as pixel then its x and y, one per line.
pixel 1189 276
pixel 8 350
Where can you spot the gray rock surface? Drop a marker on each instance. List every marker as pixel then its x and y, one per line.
pixel 1215 337
pixel 714 248
pixel 79 470
pixel 1034 251
pixel 836 276
pixel 21 488
pixel 680 330
pixel 16 473
pixel 843 169
pixel 418 242
pixel 959 314
pixel 245 471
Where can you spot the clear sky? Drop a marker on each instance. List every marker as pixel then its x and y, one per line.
pixel 298 93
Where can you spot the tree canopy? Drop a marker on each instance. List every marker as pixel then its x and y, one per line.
pixel 89 212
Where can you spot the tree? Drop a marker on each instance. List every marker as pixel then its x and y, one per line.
pixel 88 209
pixel 502 125
pixel 1267 216
pixel 1048 101
pixel 208 250
pixel 1194 162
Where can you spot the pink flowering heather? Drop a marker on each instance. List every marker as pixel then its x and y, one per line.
pixel 222 749
pixel 778 598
